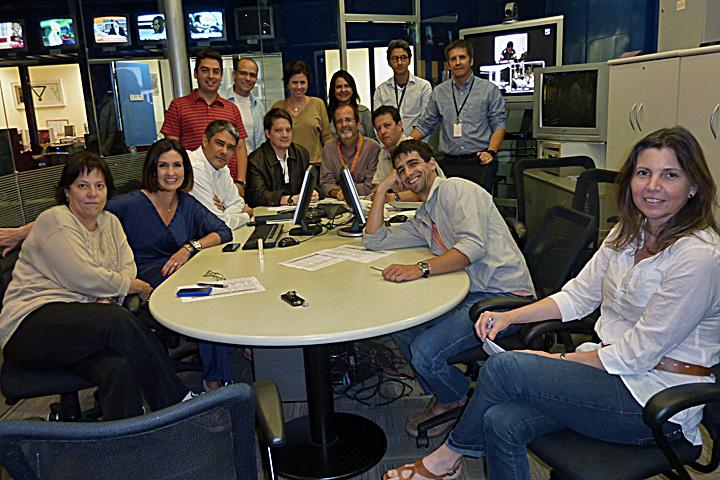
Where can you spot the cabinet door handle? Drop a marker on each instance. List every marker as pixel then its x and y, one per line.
pixel 630 116
pixel 637 116
pixel 713 121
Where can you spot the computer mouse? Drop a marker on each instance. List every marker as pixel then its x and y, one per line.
pixel 398 219
pixel 287 242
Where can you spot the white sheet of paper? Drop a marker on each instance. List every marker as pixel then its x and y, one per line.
pixel 355 254
pixel 234 286
pixel 491 348
pixel 312 262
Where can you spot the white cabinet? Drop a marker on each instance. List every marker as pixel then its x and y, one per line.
pixel 699 104
pixel 642 97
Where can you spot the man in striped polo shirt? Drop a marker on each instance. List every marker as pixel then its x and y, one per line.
pixel 188 116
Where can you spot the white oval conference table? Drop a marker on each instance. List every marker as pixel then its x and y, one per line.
pixel 347 301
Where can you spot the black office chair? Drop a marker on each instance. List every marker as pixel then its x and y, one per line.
pixel 552 257
pixel 587 197
pixel 209 437
pixel 572 456
pixel 532 163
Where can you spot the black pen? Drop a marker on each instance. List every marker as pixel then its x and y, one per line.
pixel 214 285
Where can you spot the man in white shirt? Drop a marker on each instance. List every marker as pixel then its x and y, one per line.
pixel 213 185
pixel 252 111
pixel 404 91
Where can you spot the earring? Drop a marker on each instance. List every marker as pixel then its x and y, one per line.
pixel 691 195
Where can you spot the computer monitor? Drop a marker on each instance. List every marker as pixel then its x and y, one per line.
pixel 111 30
pixel 254 22
pixel 151 27
pixel 347 184
pixel 508 54
pixel 11 36
pixel 299 218
pixel 57 32
pixel 206 25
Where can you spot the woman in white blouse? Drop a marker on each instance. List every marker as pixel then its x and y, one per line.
pixel 657 281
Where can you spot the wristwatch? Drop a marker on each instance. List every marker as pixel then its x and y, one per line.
pixel 425 267
pixel 240 182
pixel 291 202
pixel 197 246
pixel 492 152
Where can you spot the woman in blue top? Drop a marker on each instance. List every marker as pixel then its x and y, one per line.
pixel 165 226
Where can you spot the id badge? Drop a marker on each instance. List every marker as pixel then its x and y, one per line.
pixel 457 130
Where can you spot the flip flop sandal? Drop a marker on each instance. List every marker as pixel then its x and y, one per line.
pixel 419 468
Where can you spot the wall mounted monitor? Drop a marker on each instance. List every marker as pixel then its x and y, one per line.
pixel 252 22
pixel 57 32
pixel 206 25
pixel 508 54
pixel 111 30
pixel 11 36
pixel 151 27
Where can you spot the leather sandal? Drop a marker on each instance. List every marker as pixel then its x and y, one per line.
pixel 419 468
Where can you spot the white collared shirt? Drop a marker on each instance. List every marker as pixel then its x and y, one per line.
pixel 284 166
pixel 209 182
pixel 416 99
pixel 665 305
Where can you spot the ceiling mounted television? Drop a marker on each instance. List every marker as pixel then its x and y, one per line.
pixel 151 27
pixel 571 103
pixel 206 25
pixel 111 30
pixel 57 32
pixel 252 22
pixel 508 55
pixel 11 36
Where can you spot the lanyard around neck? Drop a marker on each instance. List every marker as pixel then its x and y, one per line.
pixel 402 89
pixel 458 110
pixel 358 148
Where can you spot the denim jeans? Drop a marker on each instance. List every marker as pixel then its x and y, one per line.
pixel 521 396
pixel 428 346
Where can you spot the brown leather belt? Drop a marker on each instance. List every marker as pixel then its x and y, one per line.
pixel 667 364
pixel 671 365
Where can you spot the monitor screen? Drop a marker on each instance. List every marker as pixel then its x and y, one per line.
pixel 151 27
pixel 569 99
pixel 11 36
pixel 57 32
pixel 347 184
pixel 206 24
pixel 304 198
pixel 111 29
pixel 508 55
pixel 252 22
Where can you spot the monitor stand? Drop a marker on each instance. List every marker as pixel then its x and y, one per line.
pixel 305 230
pixel 355 230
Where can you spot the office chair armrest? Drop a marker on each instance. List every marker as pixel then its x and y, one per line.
pixel 498 303
pixel 269 412
pixel 663 405
pixel 533 331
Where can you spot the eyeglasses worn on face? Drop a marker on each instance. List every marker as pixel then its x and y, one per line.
pixel 403 58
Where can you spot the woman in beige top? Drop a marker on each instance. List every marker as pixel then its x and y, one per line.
pixel 61 309
pixel 311 128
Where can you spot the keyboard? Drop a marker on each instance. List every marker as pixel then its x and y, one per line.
pixel 269 233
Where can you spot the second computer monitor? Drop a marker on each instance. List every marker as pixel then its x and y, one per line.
pixel 299 218
pixel 347 184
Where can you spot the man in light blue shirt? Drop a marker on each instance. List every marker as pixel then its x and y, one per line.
pixel 471 114
pixel 245 73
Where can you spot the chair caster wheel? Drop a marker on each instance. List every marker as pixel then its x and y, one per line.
pixel 422 441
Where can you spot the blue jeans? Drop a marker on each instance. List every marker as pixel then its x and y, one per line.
pixel 521 396
pixel 428 346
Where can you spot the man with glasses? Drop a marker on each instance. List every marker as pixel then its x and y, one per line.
pixel 245 73
pixel 212 183
pixel 404 91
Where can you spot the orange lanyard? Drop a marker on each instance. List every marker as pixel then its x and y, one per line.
pixel 355 158
pixel 436 237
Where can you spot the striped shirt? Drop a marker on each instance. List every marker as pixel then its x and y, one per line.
pixel 188 117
